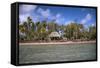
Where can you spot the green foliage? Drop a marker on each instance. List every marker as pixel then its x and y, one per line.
pixel 92 32
pixel 41 30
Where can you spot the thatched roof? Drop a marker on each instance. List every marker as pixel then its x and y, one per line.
pixel 54 34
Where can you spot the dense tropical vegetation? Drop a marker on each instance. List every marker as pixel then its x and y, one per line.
pixel 40 30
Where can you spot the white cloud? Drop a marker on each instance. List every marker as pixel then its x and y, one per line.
pixel 55 17
pixel 23 17
pixel 93 24
pixel 60 20
pixel 40 10
pixel 68 22
pixel 48 14
pixel 86 19
pixel 45 13
pixel 27 8
pixel 36 19
pixel 88 16
pixel 58 15
pixel 25 11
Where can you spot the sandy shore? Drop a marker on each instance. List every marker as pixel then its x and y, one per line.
pixel 68 42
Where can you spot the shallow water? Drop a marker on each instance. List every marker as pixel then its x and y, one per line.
pixel 53 53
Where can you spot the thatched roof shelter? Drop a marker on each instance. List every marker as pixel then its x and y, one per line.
pixel 55 34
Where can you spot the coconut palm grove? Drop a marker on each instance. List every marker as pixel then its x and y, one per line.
pixel 45 23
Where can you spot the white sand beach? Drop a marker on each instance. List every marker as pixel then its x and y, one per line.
pixel 68 42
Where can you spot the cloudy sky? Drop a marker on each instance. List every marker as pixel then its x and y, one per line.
pixel 62 15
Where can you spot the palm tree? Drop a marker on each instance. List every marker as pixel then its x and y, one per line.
pixel 29 24
pixel 44 24
pixel 67 31
pixel 38 29
pixel 92 32
pixel 22 28
pixel 26 29
pixel 51 26
pixel 37 26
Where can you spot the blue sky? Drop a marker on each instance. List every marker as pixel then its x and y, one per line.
pixel 61 15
